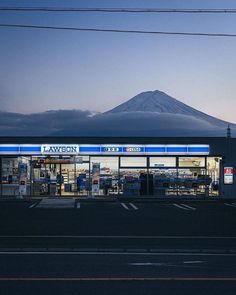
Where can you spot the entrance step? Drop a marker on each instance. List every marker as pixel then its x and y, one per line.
pixel 56 203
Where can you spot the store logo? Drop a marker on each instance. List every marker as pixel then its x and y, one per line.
pixel 59 149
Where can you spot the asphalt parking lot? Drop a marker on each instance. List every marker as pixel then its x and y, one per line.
pixel 121 247
pixel 128 219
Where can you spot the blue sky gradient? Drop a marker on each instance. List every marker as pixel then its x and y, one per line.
pixel 43 70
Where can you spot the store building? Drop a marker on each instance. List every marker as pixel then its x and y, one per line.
pixel 73 166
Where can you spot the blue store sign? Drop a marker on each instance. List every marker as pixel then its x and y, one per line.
pixel 76 149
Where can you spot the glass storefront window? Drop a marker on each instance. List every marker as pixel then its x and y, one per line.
pixel 133 161
pixel 104 175
pixel 60 176
pixel 10 171
pixel 162 162
pixel 191 162
pixel 213 170
pixel 75 178
pixel 165 182
pixel 82 178
pixel 82 175
pixel 192 181
pixel 15 171
pixel 134 182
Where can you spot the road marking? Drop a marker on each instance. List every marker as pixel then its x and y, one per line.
pixel 181 207
pixel 194 262
pixel 122 204
pixel 115 237
pixel 115 253
pixel 33 205
pixel 134 207
pixel 78 205
pixel 231 205
pixel 165 263
pixel 26 279
pixel 149 264
pixel 189 207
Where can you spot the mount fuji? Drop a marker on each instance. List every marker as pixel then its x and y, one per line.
pixel 148 114
pixel 160 103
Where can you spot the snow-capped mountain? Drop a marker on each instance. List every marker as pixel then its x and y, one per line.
pixel 159 102
pixel 151 114
pixel 148 114
pixel 153 101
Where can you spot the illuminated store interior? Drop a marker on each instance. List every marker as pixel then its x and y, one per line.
pixel 134 172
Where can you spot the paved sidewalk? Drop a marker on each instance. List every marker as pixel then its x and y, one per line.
pixel 66 200
pixel 56 203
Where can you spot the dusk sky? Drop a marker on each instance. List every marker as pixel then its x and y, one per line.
pixel 49 70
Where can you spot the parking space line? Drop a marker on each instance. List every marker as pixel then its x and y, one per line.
pixel 231 205
pixel 134 207
pixel 122 204
pixel 119 237
pixel 180 207
pixel 187 206
pixel 119 279
pixel 33 205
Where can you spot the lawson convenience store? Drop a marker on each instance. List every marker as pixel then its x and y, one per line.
pixel 162 167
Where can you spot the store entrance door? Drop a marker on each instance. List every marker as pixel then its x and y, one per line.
pixel 74 179
pixel 57 176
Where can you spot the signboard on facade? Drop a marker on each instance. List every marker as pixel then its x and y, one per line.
pixel 228 175
pixel 134 149
pixel 59 149
pixel 105 149
pixel 111 149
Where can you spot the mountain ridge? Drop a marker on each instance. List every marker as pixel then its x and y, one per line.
pixel 148 114
pixel 159 102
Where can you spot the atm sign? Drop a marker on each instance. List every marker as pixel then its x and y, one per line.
pixel 229 170
pixel 228 175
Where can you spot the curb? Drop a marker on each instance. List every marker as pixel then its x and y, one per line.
pixel 102 199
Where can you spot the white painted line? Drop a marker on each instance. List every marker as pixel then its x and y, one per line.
pixel 189 207
pixel 112 253
pixel 194 262
pixel 231 205
pixel 178 206
pixel 117 237
pixel 132 205
pixel 78 205
pixel 33 205
pixel 122 204
pixel 148 263
pixel 117 279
